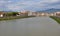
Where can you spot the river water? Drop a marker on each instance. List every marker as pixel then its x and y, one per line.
pixel 36 26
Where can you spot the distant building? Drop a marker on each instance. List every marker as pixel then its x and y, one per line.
pixel 22 13
pixel 43 14
pixel 30 13
pixel 1 14
pixel 34 13
pixel 57 13
pixel 51 14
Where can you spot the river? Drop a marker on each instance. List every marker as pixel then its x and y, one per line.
pixel 35 26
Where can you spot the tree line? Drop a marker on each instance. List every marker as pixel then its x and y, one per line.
pixel 11 14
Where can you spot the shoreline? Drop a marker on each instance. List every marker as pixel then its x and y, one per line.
pixel 56 19
pixel 14 17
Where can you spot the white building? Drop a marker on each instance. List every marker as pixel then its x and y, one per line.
pixel 30 13
pixel 1 14
pixel 42 14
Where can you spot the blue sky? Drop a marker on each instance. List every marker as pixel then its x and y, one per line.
pixel 33 5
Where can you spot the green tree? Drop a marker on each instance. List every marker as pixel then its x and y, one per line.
pixel 11 13
pixel 14 13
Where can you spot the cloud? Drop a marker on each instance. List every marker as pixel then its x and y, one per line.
pixel 17 5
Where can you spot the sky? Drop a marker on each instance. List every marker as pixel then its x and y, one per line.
pixel 32 5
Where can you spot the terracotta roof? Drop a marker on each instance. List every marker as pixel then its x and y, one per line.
pixel 1 13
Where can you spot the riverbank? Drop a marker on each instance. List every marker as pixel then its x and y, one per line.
pixel 14 17
pixel 56 19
